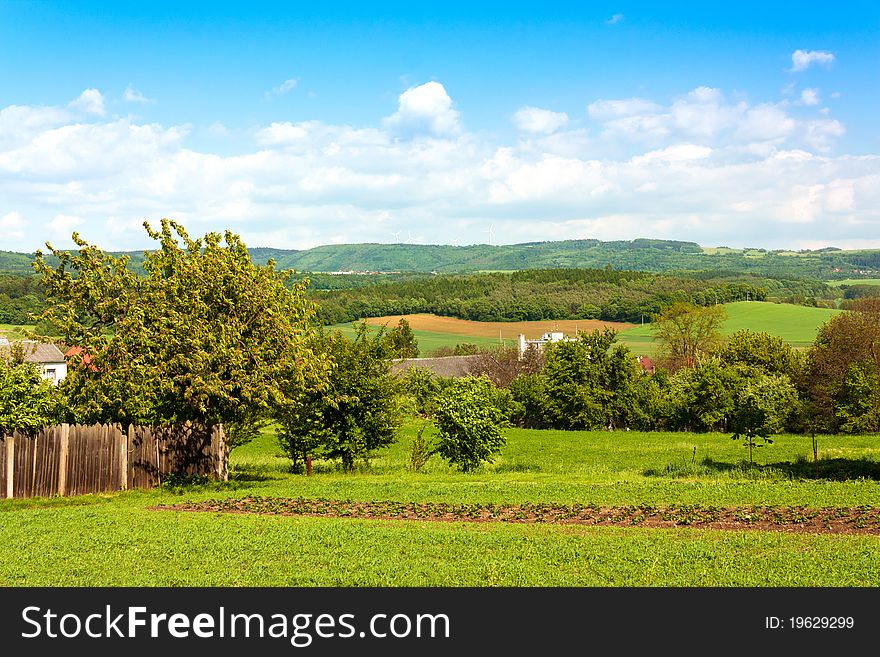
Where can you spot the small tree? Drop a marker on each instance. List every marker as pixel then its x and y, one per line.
pixel 403 341
pixel 27 401
pixel 469 423
pixel 355 413
pixel 763 404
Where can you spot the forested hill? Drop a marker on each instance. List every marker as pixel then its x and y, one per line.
pixel 639 254
pixel 15 263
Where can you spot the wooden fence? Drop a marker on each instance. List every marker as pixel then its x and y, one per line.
pixel 75 460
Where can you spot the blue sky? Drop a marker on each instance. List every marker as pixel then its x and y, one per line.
pixel 746 124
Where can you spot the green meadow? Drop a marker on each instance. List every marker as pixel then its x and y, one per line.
pixel 14 331
pixel 797 325
pixel 117 540
pixel 855 281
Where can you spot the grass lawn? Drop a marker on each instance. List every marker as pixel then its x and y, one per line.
pixel 117 540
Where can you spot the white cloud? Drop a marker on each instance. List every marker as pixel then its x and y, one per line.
pixel 61 228
pixel 12 226
pixel 132 95
pixel 283 89
pixel 765 122
pixel 822 133
pixel 699 166
pixel 801 60
pixel 90 101
pixel 810 97
pixel 614 20
pixel 605 110
pixel 426 108
pixel 539 121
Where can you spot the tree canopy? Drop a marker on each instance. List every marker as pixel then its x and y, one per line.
pixel 357 412
pixel 203 335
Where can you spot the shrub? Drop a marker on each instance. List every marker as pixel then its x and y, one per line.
pixel 469 422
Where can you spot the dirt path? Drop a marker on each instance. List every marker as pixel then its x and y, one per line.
pixel 852 520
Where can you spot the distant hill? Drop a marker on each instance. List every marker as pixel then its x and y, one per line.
pixel 639 254
pixel 15 263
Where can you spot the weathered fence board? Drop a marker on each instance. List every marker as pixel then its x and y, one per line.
pixel 76 460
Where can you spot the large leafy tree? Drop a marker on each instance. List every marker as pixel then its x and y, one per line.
pixel 841 384
pixel 203 335
pixel 769 353
pixel 357 412
pixel 763 404
pixel 702 398
pixel 588 382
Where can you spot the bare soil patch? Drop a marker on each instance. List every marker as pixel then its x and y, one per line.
pixel 508 330
pixel 844 520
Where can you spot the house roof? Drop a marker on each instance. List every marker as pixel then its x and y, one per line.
pixel 37 352
pixel 445 366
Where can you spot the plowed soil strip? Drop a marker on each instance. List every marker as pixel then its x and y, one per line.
pixel 848 520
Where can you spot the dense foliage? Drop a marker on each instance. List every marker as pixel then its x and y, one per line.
pixel 469 422
pixel 27 401
pixel 20 297
pixel 624 296
pixel 841 380
pixel 355 413
pixel 204 335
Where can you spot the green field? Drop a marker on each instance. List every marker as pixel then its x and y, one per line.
pixel 430 340
pixel 855 281
pixel 797 325
pixel 116 540
pixel 14 331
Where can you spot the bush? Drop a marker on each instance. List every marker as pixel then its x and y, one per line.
pixel 27 401
pixel 421 387
pixel 469 422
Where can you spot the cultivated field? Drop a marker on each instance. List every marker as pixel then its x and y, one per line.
pixel 120 540
pixel 432 331
pixel 495 330
pixel 797 325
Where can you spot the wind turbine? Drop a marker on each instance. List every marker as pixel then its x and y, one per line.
pixel 455 241
pixel 491 231
pixel 408 237
pixel 397 237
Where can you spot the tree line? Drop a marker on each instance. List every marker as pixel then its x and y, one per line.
pixel 536 294
pixel 750 385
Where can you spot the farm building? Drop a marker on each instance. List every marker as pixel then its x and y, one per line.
pixel 554 336
pixel 47 357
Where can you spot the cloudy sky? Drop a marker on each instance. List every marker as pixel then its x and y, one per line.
pixel 293 125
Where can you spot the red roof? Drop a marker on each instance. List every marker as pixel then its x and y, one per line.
pixel 85 359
